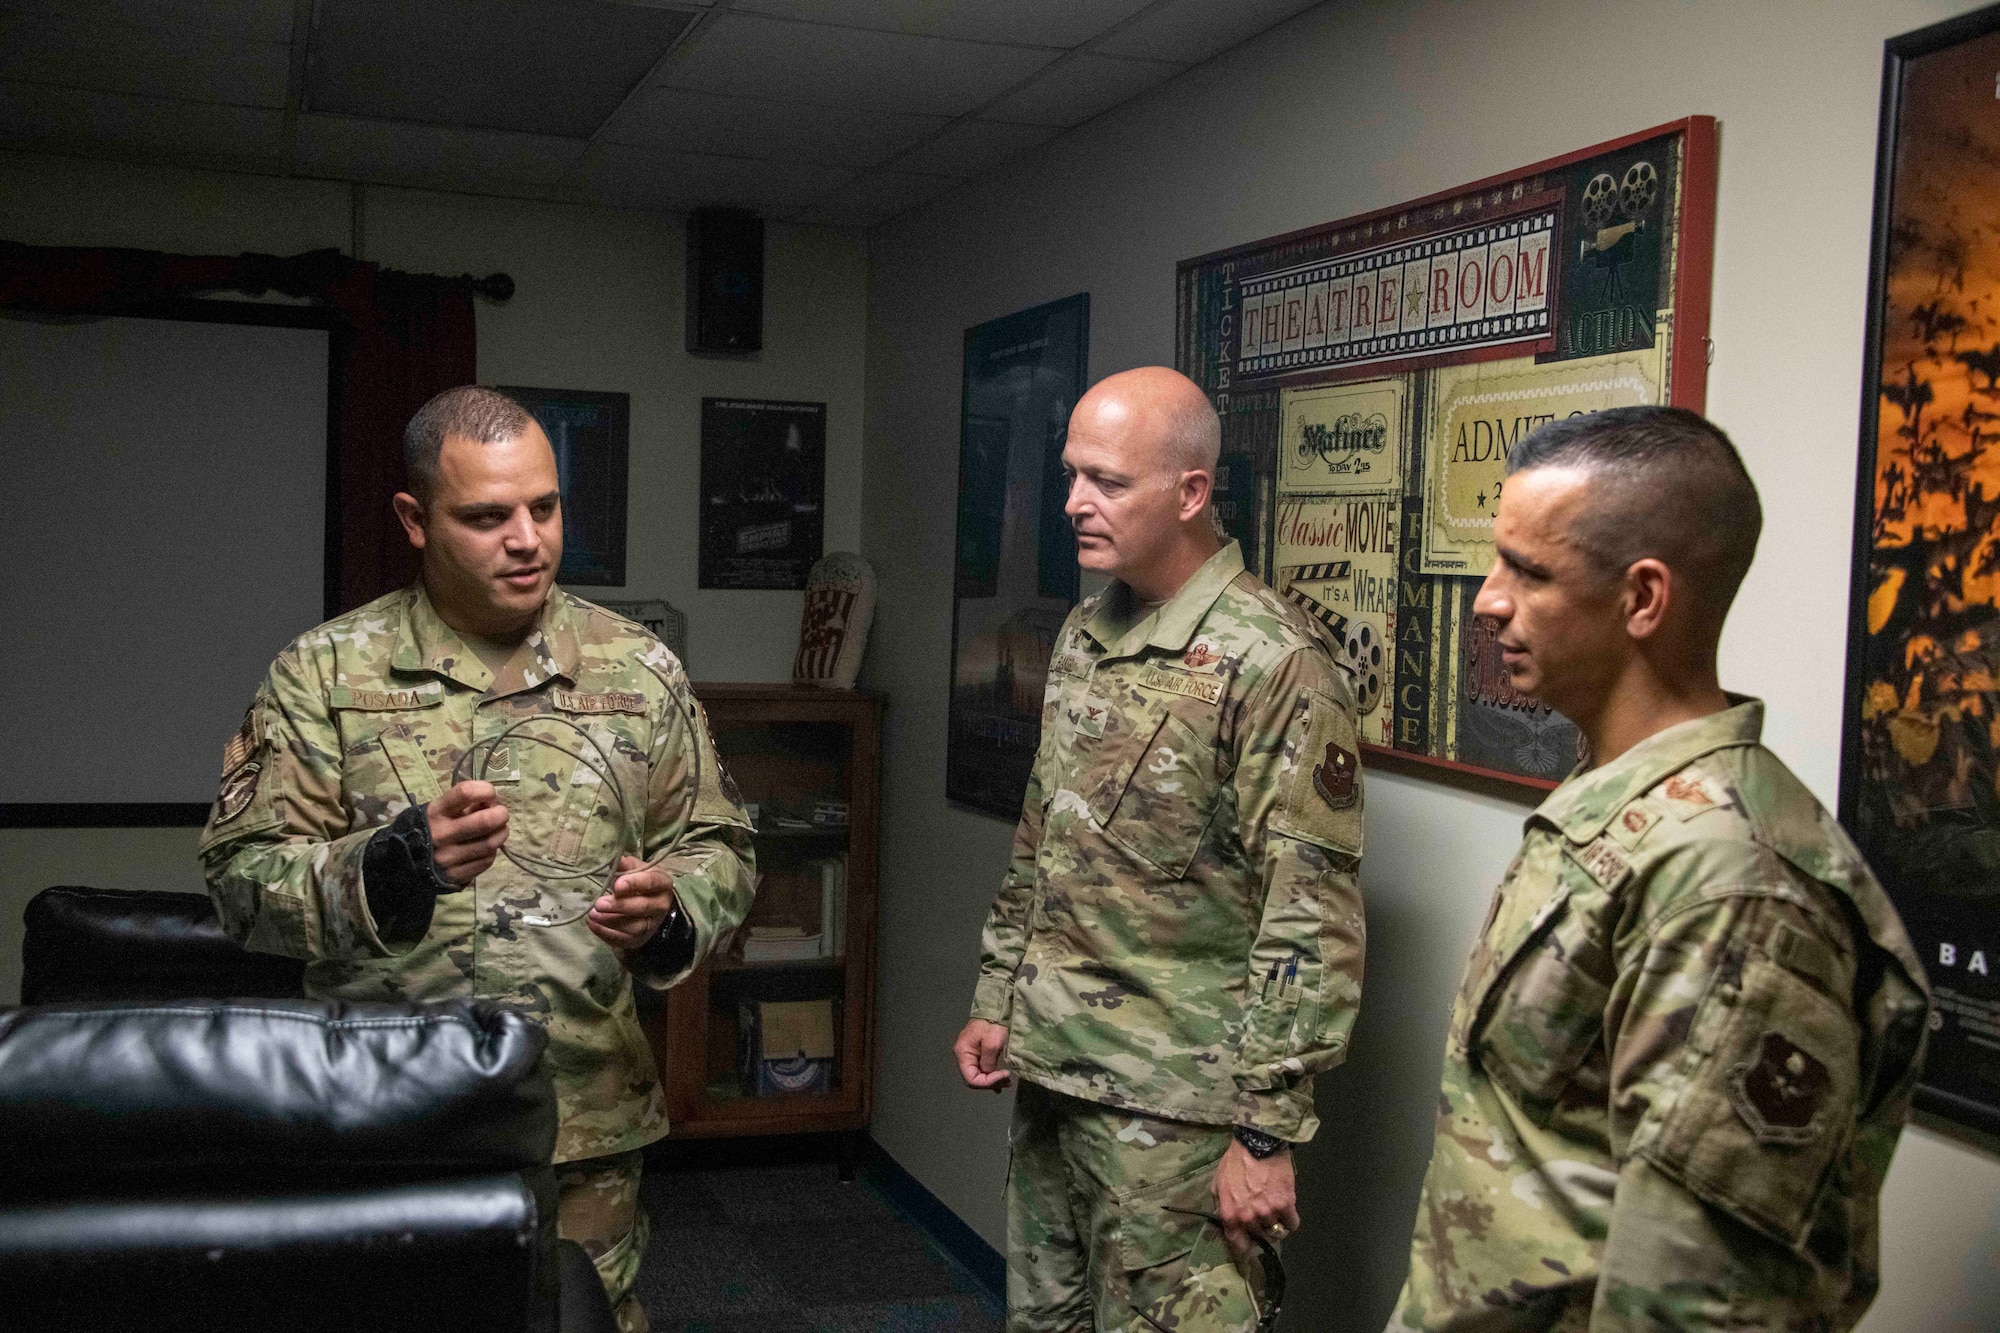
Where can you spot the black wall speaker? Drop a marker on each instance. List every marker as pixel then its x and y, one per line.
pixel 725 282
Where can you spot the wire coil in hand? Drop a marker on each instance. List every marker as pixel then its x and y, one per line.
pixel 475 764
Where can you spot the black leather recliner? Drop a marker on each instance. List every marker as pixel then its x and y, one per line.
pixel 266 1163
pixel 118 944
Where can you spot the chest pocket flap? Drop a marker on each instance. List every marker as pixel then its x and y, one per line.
pixel 1155 788
pixel 391 727
pixel 1543 1017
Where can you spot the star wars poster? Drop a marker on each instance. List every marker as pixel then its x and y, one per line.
pixel 1920 785
pixel 1374 374
pixel 763 492
pixel 1017 576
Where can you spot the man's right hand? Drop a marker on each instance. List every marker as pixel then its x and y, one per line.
pixel 978 1050
pixel 468 825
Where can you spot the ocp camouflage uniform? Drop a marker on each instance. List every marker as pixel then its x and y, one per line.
pixel 1679 1061
pixel 1177 945
pixel 372 713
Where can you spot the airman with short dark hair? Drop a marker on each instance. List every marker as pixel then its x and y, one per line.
pixel 1686 1039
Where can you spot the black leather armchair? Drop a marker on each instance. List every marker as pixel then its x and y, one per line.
pixel 265 1163
pixel 117 944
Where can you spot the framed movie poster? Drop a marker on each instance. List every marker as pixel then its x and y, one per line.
pixel 763 492
pixel 591 436
pixel 1373 375
pixel 1016 574
pixel 1921 742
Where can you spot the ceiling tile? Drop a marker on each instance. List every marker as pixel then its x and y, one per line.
pixel 1194 30
pixel 245 20
pixel 120 125
pixel 431 156
pixel 1080 87
pixel 697 122
pixel 1022 22
pixel 847 67
pixel 535 68
pixel 875 197
pixel 973 146
pixel 631 177
pixel 116 57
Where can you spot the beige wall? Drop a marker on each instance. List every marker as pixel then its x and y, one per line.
pixel 1349 108
pixel 597 306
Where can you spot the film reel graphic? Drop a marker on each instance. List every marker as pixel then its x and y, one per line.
pixel 1362 648
pixel 1638 190
pixel 1600 201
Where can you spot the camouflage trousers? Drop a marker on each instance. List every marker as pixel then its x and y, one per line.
pixel 597 1206
pixel 1111 1224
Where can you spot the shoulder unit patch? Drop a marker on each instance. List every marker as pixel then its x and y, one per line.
pixel 1333 776
pixel 1780 1090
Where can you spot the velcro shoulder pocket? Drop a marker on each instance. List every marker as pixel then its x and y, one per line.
pixel 1322 789
pixel 245 801
pixel 1769 1102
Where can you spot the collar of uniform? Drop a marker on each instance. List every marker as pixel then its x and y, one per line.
pixel 1584 804
pixel 1173 623
pixel 426 644
pixel 558 643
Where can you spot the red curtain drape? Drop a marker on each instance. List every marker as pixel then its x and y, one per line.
pixel 399 338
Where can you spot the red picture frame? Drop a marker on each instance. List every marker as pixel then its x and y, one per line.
pixel 1569 284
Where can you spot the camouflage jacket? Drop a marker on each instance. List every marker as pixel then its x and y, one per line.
pixel 1180 929
pixel 371 713
pixel 1679 1061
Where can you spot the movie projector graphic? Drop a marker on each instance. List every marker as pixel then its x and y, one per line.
pixel 1360 643
pixel 1606 198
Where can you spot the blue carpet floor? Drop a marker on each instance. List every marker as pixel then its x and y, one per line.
pixel 789 1248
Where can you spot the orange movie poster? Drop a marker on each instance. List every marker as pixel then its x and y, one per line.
pixel 1924 788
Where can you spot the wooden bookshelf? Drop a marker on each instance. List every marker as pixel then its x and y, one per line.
pixel 787 748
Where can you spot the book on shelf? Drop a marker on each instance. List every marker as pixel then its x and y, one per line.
pixel 832 906
pixel 778 943
pixel 800 914
pixel 785 1046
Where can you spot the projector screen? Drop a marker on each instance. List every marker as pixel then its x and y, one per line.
pixel 164 537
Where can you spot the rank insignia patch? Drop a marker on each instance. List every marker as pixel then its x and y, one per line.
pixel 1333 777
pixel 1632 824
pixel 1779 1091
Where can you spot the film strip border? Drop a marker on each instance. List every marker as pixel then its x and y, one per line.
pixel 1484 285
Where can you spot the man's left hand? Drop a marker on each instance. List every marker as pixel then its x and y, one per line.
pixel 630 915
pixel 1255 1198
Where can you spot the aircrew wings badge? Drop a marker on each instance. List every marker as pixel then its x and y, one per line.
pixel 1201 655
pixel 1333 777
